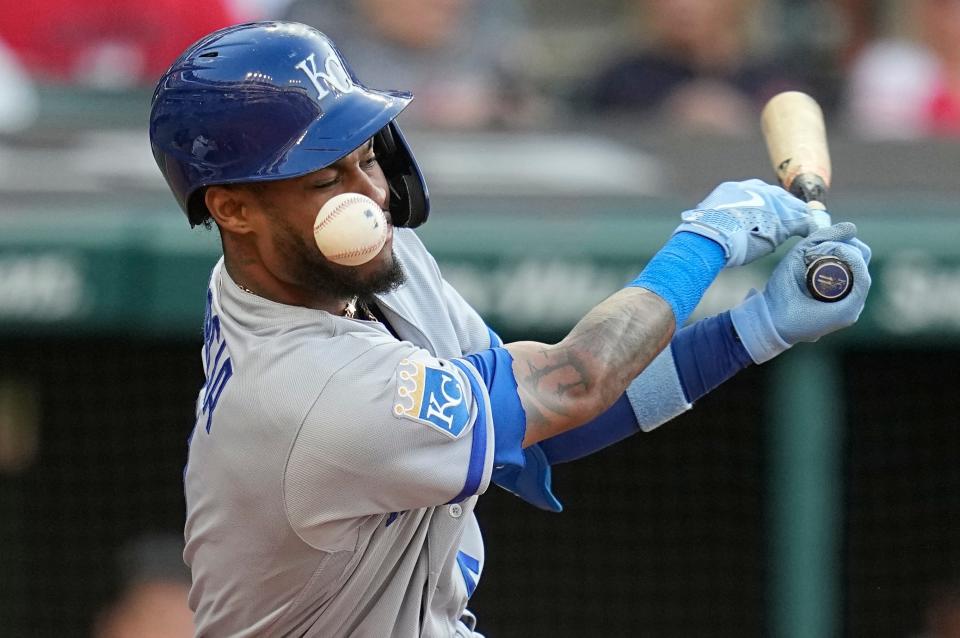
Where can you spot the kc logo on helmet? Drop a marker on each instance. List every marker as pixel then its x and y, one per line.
pixel 333 75
pixel 430 395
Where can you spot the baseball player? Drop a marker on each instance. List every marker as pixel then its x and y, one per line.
pixel 351 416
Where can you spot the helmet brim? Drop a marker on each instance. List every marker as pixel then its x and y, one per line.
pixel 366 112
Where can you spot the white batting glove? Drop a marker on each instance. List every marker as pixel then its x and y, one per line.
pixel 749 219
pixel 785 313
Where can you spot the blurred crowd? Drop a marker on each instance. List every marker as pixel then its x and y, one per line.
pixel 884 69
pixel 151 587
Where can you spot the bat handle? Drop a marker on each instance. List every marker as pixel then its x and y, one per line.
pixel 828 278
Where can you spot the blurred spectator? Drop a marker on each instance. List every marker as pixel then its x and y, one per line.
pixel 455 56
pixel 18 102
pixel 942 614
pixel 905 88
pixel 154 585
pixel 695 69
pixel 251 10
pixel 106 43
pixel 859 19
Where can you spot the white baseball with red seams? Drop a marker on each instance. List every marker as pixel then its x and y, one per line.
pixel 350 229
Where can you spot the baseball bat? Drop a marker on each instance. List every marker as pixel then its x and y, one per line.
pixel 793 128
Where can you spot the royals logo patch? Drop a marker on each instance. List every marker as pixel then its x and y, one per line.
pixel 430 395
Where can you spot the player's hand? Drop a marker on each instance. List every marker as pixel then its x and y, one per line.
pixel 749 219
pixel 785 313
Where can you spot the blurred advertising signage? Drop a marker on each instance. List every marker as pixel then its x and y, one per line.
pixel 912 294
pixel 917 293
pixel 40 287
pixel 554 294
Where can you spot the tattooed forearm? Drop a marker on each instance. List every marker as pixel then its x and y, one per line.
pixel 551 379
pixel 621 336
pixel 566 385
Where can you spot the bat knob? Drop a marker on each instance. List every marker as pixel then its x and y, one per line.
pixel 829 279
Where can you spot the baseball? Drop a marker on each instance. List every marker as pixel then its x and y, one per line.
pixel 350 229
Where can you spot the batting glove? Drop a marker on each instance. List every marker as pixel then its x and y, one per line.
pixel 749 219
pixel 785 313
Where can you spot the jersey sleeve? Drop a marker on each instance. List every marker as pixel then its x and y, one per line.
pixel 396 429
pixel 472 332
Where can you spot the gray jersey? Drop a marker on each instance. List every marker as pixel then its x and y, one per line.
pixel 334 469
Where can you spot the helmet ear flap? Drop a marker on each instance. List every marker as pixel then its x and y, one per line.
pixel 409 202
pixel 384 145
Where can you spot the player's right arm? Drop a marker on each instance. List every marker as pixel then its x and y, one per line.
pixel 565 385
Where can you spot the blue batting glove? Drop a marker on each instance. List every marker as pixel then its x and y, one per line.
pixel 785 313
pixel 749 219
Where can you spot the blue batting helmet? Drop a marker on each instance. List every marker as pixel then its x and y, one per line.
pixel 273 100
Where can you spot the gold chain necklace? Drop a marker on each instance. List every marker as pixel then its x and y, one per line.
pixel 350 311
pixel 358 309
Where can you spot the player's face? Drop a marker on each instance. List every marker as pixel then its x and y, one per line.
pixel 290 208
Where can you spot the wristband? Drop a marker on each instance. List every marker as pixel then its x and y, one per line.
pixel 681 271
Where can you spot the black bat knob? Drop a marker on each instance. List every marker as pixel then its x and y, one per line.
pixel 829 279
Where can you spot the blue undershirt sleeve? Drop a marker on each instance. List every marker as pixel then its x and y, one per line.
pixel 524 472
pixel 612 426
pixel 706 354
pixel 495 367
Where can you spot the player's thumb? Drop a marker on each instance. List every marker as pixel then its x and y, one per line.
pixel 854 257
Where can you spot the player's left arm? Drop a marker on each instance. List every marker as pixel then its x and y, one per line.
pixel 704 355
pixel 699 358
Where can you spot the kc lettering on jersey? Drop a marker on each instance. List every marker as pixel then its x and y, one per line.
pixel 428 394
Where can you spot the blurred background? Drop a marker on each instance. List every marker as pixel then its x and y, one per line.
pixel 815 496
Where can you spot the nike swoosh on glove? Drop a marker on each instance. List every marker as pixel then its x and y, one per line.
pixel 749 219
